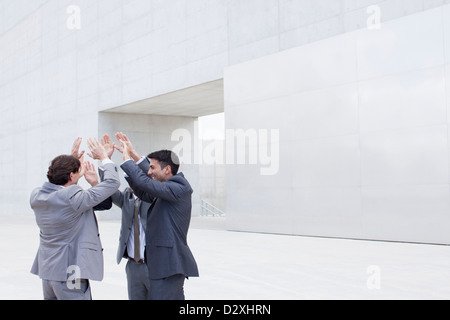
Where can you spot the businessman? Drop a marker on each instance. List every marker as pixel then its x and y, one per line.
pixel 157 181
pixel 70 250
pixel 132 242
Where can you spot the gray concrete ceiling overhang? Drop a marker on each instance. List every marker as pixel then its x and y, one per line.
pixel 197 101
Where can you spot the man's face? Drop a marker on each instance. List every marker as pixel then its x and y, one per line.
pixel 158 173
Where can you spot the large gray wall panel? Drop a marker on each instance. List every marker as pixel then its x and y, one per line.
pixel 364 136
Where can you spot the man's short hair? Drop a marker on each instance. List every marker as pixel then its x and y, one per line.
pixel 60 169
pixel 166 158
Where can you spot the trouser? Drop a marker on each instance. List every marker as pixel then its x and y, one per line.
pixel 137 280
pixel 66 290
pixel 171 288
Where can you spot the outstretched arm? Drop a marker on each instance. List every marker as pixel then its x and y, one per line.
pixel 81 200
pixel 143 184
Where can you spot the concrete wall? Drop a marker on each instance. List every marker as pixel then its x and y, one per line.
pixel 364 135
pixel 56 79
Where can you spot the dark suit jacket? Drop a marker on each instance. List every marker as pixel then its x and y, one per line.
pixel 167 251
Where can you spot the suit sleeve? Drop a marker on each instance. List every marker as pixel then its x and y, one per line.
pixel 117 198
pixel 144 165
pixel 104 206
pixel 107 204
pixel 82 200
pixel 140 193
pixel 145 186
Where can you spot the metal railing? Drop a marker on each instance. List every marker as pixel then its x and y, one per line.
pixel 208 210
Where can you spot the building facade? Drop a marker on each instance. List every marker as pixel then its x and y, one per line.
pixel 336 111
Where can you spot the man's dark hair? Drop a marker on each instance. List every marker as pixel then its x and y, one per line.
pixel 60 169
pixel 166 158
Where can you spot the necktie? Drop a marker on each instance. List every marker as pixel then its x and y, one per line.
pixel 137 244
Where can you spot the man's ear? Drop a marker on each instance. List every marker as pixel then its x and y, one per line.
pixel 168 170
pixel 70 177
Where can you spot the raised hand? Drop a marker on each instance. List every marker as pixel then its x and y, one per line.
pixel 122 136
pixel 108 145
pixel 124 141
pixel 98 152
pixel 90 174
pixel 76 149
pixel 125 151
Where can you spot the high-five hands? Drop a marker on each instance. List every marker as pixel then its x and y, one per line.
pixel 98 152
pixel 108 145
pixel 125 150
pixel 105 148
pixel 90 174
pixel 76 149
pixel 126 147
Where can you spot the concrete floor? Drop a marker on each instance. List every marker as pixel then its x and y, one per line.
pixel 238 266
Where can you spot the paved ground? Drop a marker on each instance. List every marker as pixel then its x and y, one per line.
pixel 235 266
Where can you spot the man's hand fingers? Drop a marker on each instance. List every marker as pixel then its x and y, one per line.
pixel 77 142
pixel 76 147
pixel 105 139
pixel 86 167
pixel 125 138
pixel 92 143
pixel 118 148
pixel 122 136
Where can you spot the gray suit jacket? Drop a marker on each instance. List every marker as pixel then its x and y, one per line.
pixel 69 234
pixel 126 201
pixel 167 251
